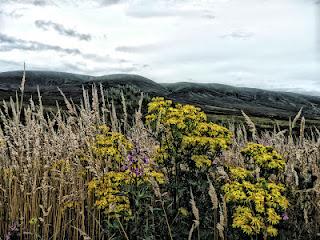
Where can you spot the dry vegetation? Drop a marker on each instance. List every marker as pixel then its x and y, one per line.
pixel 53 165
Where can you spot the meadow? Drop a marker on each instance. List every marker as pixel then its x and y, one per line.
pixel 160 171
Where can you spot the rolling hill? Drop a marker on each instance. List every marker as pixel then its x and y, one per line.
pixel 215 99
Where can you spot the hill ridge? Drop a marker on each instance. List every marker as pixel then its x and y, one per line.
pixel 214 98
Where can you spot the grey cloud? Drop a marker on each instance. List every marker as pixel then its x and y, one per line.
pixel 137 49
pixel 145 10
pixel 109 2
pixel 123 69
pixel 78 67
pixel 12 14
pixel 40 3
pixel 209 16
pixel 240 35
pixel 59 28
pixel 97 58
pixel 8 43
pixel 10 63
pixel 126 49
pixel 101 70
pixel 149 14
pixel 33 2
pixel 74 3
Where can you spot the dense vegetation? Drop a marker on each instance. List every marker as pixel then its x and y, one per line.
pixel 166 174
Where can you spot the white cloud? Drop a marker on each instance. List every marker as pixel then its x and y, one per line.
pixel 255 43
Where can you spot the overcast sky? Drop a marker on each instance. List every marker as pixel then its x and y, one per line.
pixel 271 44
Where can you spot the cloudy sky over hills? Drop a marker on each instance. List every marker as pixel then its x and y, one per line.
pixel 269 44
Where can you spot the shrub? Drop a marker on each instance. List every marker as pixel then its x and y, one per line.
pixel 189 147
pixel 257 198
pixel 125 187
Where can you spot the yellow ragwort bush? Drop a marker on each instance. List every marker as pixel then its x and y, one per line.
pixel 127 166
pixel 184 128
pixel 257 202
pixel 109 196
pixel 111 145
pixel 264 156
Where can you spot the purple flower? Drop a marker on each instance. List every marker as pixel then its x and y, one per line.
pixel 124 168
pixel 285 216
pixel 137 171
pixel 131 159
pixel 13 232
pixel 146 160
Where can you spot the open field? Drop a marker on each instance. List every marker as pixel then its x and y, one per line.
pixel 87 172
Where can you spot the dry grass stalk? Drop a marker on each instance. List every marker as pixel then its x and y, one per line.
pixel 215 203
pixel 296 118
pixel 251 125
pixel 46 163
pixel 195 212
pixel 213 195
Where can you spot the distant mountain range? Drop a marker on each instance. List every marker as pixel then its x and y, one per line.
pixel 212 98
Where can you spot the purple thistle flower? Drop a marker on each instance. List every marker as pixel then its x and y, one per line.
pixel 285 216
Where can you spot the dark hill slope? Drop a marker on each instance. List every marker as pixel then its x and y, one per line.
pixel 144 84
pixel 70 84
pixel 12 80
pixel 224 99
pixel 213 98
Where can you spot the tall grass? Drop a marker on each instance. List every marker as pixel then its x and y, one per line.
pixel 46 163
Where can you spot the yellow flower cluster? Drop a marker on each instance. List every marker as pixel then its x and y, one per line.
pixel 264 157
pixel 185 128
pixel 251 224
pixel 183 212
pixel 182 117
pixel 109 195
pixel 201 161
pixel 257 201
pixel 111 145
pixel 125 169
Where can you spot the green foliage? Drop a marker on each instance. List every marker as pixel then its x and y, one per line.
pixel 123 191
pixel 189 147
pixel 132 96
pixel 176 177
